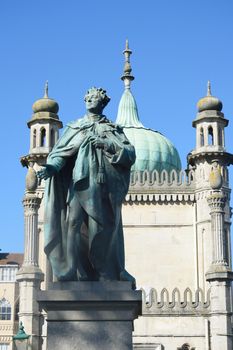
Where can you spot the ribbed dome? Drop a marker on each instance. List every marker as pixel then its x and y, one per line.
pixel 209 102
pixel 128 111
pixel 153 150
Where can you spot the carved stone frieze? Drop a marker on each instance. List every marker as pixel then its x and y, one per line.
pixel 153 179
pixel 176 302
pixel 149 198
pixel 31 204
pixel 217 201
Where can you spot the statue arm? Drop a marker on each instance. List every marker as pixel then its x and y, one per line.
pixel 54 162
pixel 51 168
pixel 57 163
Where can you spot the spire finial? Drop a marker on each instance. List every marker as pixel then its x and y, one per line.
pixel 46 89
pixel 127 77
pixel 209 89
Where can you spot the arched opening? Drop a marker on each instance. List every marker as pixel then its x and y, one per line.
pixel 220 136
pixel 52 137
pixel 42 137
pixel 34 139
pixel 5 309
pixel 210 136
pixel 226 246
pixel 201 137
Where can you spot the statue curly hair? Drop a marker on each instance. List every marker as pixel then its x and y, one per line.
pixel 100 92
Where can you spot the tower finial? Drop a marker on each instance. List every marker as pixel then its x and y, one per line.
pixel 127 77
pixel 209 89
pixel 46 89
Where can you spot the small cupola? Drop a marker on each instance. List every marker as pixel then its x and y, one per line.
pixel 209 102
pixel 210 123
pixel 44 125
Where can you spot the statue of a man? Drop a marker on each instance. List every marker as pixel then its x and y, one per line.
pixel 88 175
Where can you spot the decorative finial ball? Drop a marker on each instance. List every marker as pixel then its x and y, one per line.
pixel 215 177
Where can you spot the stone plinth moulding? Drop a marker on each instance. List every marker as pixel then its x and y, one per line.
pixel 90 315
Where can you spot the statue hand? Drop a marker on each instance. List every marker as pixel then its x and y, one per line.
pixel 105 144
pixel 98 143
pixel 47 171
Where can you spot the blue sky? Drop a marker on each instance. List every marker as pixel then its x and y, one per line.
pixel 177 46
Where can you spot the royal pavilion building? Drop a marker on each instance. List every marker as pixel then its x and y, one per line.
pixel 176 228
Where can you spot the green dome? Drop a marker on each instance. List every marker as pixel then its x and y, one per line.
pixel 153 150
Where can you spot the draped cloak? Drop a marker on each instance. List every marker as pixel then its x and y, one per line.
pixel 99 248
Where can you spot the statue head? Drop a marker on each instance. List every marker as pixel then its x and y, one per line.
pixel 96 100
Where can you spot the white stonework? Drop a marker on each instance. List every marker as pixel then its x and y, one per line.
pixel 177 245
pixel 9 300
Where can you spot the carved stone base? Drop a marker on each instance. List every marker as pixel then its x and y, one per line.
pixel 90 315
pixel 219 273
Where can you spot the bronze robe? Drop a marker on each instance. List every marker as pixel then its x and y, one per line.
pixel 97 182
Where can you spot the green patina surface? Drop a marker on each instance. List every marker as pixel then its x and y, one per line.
pixel 153 150
pixel 21 335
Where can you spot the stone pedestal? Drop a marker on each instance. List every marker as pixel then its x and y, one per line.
pixel 90 315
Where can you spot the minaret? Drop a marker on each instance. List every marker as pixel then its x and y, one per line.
pixel 210 141
pixel 44 132
pixel 210 123
pixel 210 161
pixel 44 128
pixel 30 275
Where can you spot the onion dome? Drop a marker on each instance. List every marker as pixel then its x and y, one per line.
pixel 46 104
pixel 153 150
pixel 45 110
pixel 209 102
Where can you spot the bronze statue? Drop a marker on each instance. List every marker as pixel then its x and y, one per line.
pixel 88 175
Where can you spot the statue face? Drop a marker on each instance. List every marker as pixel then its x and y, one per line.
pixel 94 103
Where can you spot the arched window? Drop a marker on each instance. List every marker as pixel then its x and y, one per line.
pixel 52 137
pixel 34 138
pixel 220 136
pixel 42 137
pixel 5 309
pixel 210 136
pixel 201 137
